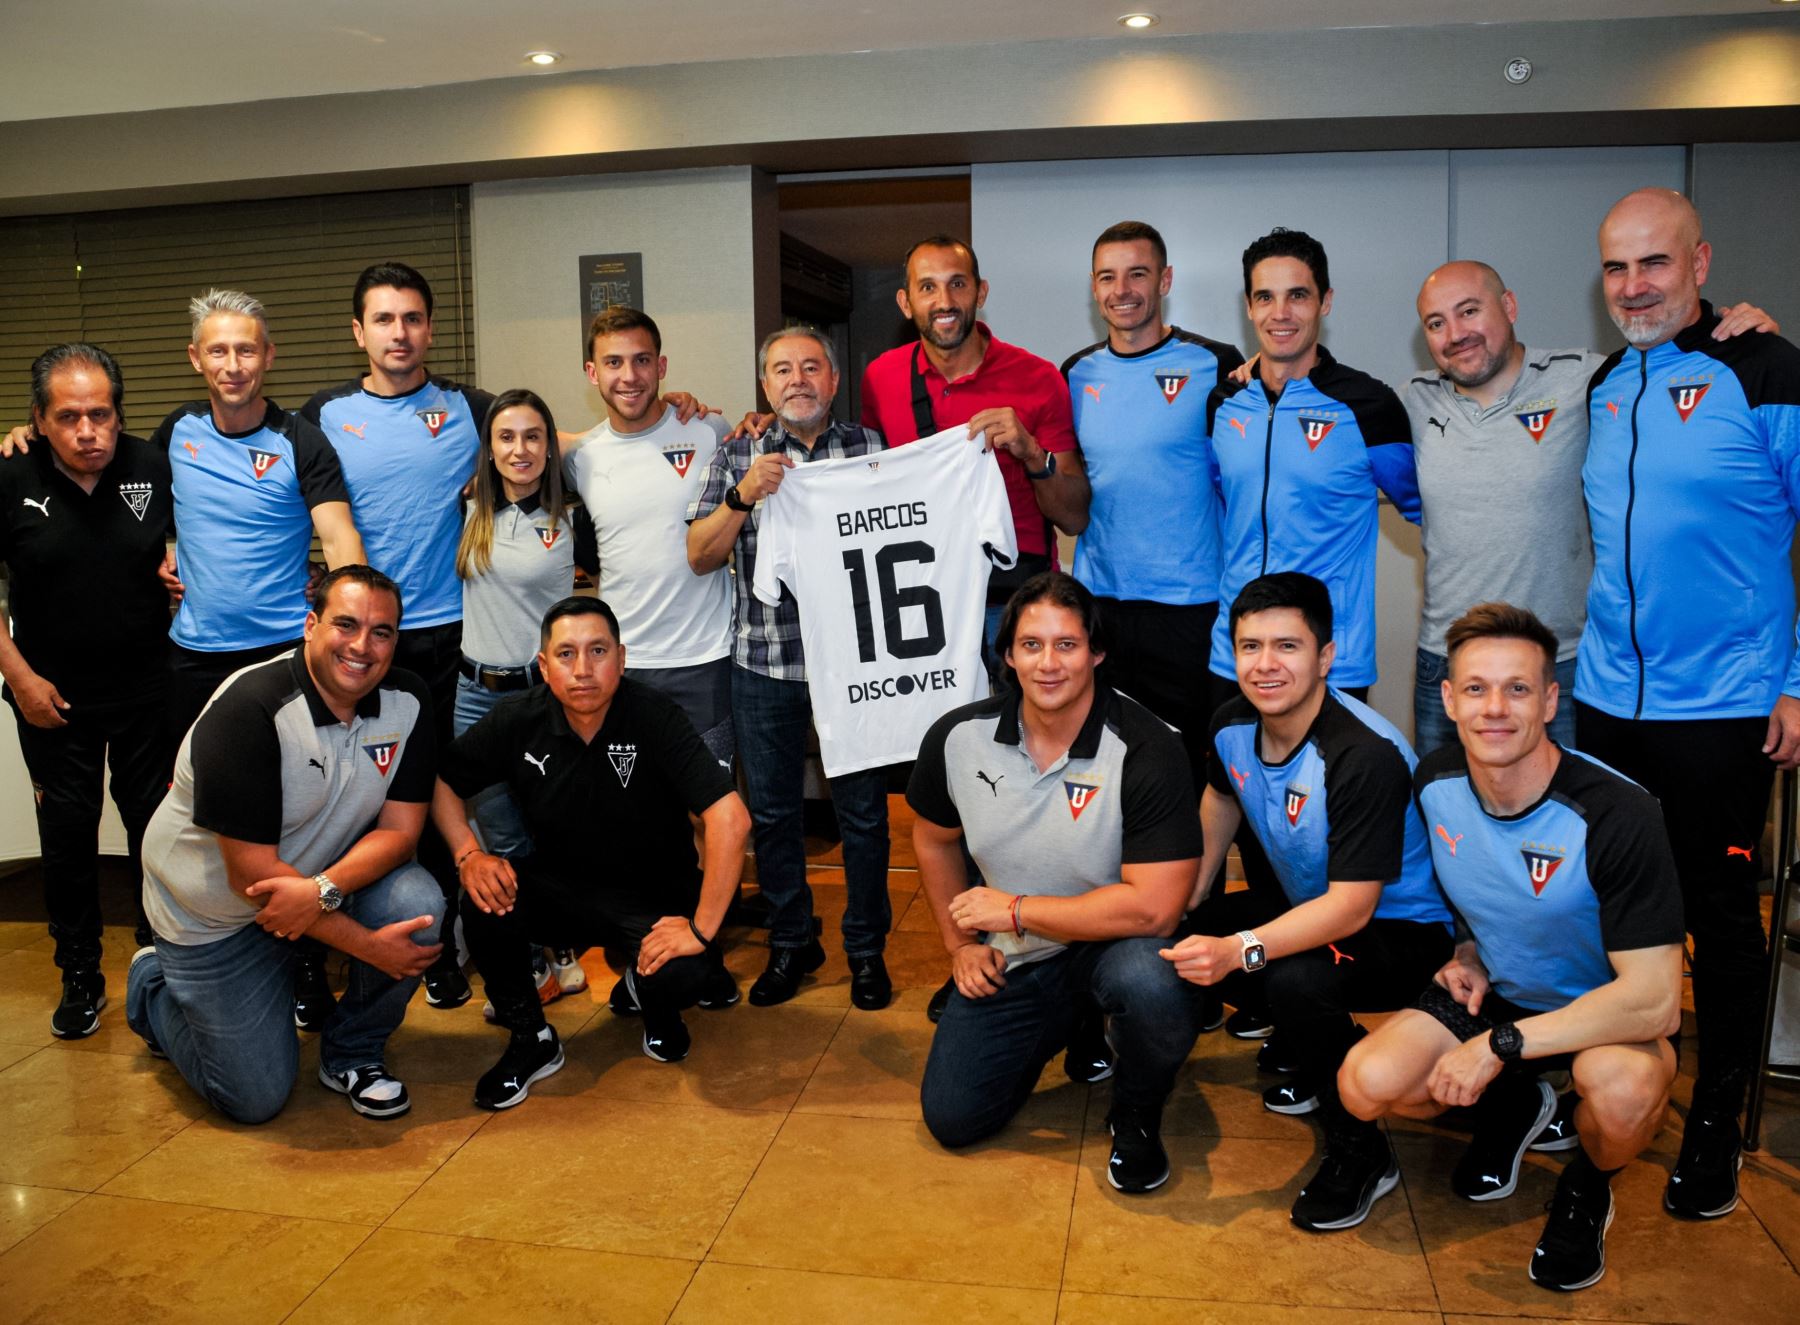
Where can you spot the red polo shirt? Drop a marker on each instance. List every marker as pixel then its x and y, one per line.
pixel 1006 375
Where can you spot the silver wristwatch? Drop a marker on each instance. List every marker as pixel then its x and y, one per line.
pixel 330 898
pixel 1254 956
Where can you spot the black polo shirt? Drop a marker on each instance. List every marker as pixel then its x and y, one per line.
pixel 88 611
pixel 613 810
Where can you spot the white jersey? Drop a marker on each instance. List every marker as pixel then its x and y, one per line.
pixel 887 556
pixel 637 487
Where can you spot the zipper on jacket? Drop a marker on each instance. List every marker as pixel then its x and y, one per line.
pixel 1630 503
pixel 1268 454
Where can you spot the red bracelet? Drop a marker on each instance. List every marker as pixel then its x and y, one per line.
pixel 1018 928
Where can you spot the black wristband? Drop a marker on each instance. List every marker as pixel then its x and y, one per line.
pixel 735 499
pixel 695 931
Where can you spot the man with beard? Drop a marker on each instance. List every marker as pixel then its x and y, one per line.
pixel 770 705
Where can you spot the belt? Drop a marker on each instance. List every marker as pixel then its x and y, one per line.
pixel 500 678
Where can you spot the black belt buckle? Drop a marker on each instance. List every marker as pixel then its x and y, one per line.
pixel 499 679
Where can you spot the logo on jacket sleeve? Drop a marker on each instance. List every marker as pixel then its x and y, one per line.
pixel 548 537
pixel 1295 802
pixel 1081 795
pixel 1171 384
pixel 1537 421
pixel 261 462
pixel 381 754
pixel 1541 862
pixel 434 419
pixel 680 460
pixel 624 759
pixel 1687 397
pixel 137 496
pixel 1315 430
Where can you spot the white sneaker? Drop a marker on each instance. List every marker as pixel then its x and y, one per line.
pixel 565 965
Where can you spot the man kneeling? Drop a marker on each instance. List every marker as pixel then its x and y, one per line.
pixel 605 771
pixel 296 807
pixel 1078 807
pixel 1561 872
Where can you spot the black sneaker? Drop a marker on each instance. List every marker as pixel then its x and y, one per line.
pixel 666 1038
pixel 622 1002
pixel 1572 1252
pixel 720 989
pixel 939 1001
pixel 1508 1119
pixel 1247 1025
pixel 78 1015
pixel 446 986
pixel 528 1058
pixel 1089 1057
pixel 1294 1096
pixel 1212 1012
pixel 1559 1133
pixel 371 1091
pixel 1276 1058
pixel 313 999
pixel 1349 1182
pixel 1704 1184
pixel 1139 1163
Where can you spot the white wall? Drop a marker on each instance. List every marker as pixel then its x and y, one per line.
pixel 1386 219
pixel 693 228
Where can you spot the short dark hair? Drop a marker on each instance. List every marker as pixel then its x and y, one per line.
pixel 396 274
pixel 1284 243
pixel 1287 588
pixel 1502 621
pixel 356 573
pixel 1059 590
pixel 577 605
pixel 75 352
pixel 940 241
pixel 610 321
pixel 1129 232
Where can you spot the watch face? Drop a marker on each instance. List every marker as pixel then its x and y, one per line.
pixel 1253 957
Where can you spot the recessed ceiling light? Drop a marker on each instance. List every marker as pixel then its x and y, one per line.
pixel 543 57
pixel 1138 22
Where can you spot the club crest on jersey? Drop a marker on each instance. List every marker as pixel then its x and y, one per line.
pixel 624 759
pixel 1171 384
pixel 263 461
pixel 547 537
pixel 1688 395
pixel 434 419
pixel 1536 419
pixel 1315 430
pixel 680 460
pixel 1540 862
pixel 1081 795
pixel 381 753
pixel 1296 799
pixel 137 496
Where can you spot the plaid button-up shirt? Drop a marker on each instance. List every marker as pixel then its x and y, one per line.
pixel 767 639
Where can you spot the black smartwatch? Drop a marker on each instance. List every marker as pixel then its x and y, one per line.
pixel 735 500
pixel 1506 1042
pixel 1048 471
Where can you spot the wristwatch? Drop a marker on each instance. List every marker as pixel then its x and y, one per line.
pixel 1048 471
pixel 735 499
pixel 1255 958
pixel 1506 1042
pixel 330 898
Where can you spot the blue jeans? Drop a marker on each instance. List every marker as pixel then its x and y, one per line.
pixel 224 1012
pixel 772 719
pixel 497 815
pixel 1432 727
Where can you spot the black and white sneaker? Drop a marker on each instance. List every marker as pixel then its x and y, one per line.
pixel 1508 1119
pixel 622 1002
pixel 666 1038
pixel 528 1058
pixel 1349 1182
pixel 1559 1133
pixel 1276 1058
pixel 1212 1012
pixel 1294 1096
pixel 313 999
pixel 1247 1025
pixel 1572 1252
pixel 1089 1057
pixel 720 989
pixel 78 1015
pixel 371 1091
pixel 1138 1162
pixel 446 986
pixel 1704 1184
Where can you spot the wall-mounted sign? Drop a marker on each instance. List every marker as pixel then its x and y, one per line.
pixel 607 281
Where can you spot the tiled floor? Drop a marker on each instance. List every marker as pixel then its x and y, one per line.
pixel 780 1174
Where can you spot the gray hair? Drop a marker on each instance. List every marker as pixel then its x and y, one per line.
pixel 810 332
pixel 75 352
pixel 203 306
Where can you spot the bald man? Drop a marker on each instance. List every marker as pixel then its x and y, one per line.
pixel 1687 680
pixel 1500 434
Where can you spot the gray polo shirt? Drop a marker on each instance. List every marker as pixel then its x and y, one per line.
pixel 1122 795
pixel 1504 517
pixel 267 762
pixel 531 566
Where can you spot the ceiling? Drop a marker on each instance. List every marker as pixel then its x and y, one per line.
pixel 83 57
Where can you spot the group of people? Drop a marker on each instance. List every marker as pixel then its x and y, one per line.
pixel 435 729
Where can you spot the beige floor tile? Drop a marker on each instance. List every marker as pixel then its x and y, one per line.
pixel 743 1057
pixel 30 986
pixel 1781 1121
pixel 76 1120
pixel 454 1046
pixel 1222 1220
pixel 1658 1268
pixel 608 1175
pixel 19 933
pixel 877 1059
pixel 1106 1309
pixel 403 1278
pixel 16 1053
pixel 316 1158
pixel 1218 1092
pixel 23 1209
pixel 110 1259
pixel 739 1293
pixel 1770 1188
pixel 872 1196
